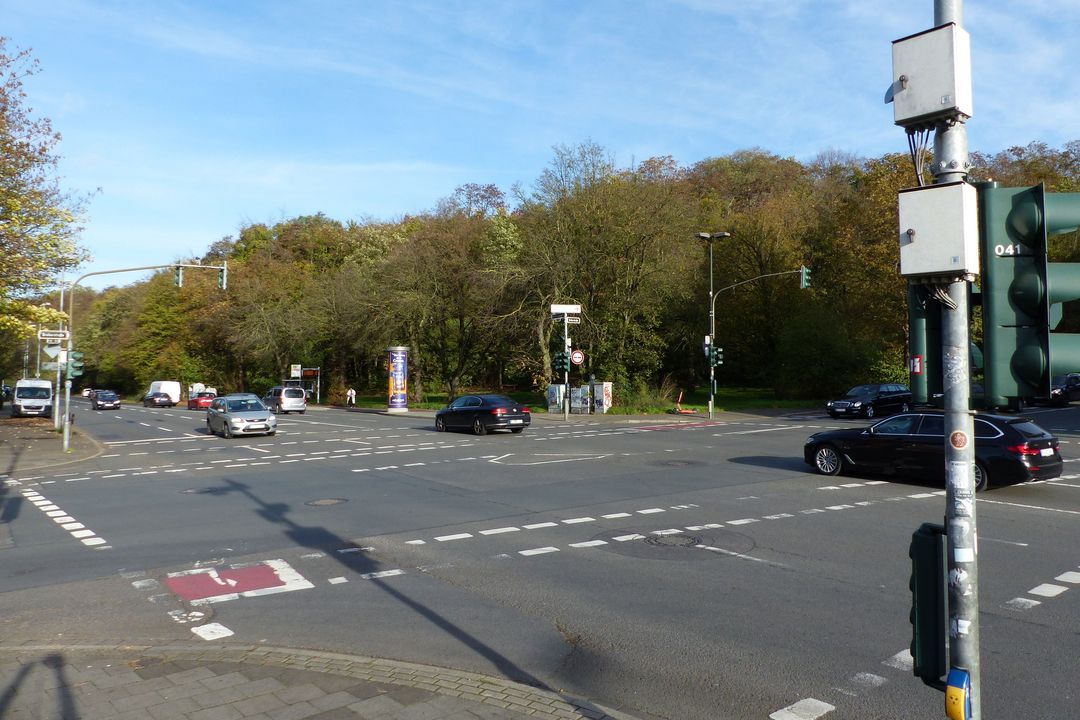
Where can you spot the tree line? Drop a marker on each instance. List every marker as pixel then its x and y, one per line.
pixel 468 285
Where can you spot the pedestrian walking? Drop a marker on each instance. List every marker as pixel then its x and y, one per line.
pixel 350 397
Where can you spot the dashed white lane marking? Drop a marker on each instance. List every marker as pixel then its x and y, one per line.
pixel 337 580
pixel 458 536
pixel 574 521
pixel 1069 577
pixel 538 551
pixel 381 574
pixel 588 543
pixel 536 526
pixel 650 511
pixel 806 709
pixel 1047 590
pixel 1022 603
pixel 65 521
pixel 901 661
pixel 741 556
pixel 625 538
pixel 499 531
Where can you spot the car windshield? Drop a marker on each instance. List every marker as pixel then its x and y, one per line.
pixel 861 390
pixel 33 393
pixel 247 405
pixel 293 393
pixel 105 395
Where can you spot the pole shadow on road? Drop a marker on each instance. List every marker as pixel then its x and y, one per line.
pixel 318 538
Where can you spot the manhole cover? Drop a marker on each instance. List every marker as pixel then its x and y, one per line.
pixel 673 540
pixel 326 501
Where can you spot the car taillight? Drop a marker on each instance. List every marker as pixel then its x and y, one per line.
pixel 1024 449
pixel 498 411
pixel 526 410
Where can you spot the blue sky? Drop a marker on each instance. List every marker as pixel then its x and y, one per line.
pixel 197 118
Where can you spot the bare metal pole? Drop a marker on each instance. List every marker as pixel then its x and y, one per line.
pixel 951 165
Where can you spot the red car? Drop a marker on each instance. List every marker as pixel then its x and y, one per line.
pixel 201 401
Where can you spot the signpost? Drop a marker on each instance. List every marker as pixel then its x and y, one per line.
pixel 568 314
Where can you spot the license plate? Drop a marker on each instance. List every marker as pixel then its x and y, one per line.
pixel 516 422
pixel 1046 452
pixel 256 427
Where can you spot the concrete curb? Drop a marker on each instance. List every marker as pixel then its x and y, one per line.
pixel 466 686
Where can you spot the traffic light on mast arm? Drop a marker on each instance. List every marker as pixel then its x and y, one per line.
pixel 178 275
pixel 804 277
pixel 1022 290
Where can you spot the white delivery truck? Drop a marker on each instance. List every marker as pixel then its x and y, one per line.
pixel 169 387
pixel 32 398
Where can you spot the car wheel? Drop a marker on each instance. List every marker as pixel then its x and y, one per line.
pixel 869 412
pixel 827 460
pixel 271 433
pixel 982 479
pixel 440 425
pixel 517 431
pixel 303 411
pixel 478 427
pixel 833 415
pixel 226 431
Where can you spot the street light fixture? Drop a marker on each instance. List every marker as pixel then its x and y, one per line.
pixel 708 238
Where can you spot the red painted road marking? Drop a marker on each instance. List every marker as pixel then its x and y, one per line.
pixel 209 585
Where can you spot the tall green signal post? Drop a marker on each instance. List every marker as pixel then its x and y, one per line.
pixel 1022 291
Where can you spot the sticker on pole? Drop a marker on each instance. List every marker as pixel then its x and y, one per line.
pixel 577 357
pixel 958 440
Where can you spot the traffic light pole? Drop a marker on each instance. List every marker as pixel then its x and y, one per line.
pixel 222 275
pixel 951 165
pixel 566 373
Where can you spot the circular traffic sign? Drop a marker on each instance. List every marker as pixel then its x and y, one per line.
pixel 577 357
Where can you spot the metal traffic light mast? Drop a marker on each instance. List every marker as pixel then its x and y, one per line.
pixel 939 254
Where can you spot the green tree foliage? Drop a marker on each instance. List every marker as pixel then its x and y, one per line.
pixel 38 221
pixel 468 286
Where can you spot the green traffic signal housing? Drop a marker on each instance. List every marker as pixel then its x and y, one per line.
pixel 1021 291
pixel 929 604
pixel 561 362
pixel 804 277
pixel 75 364
pixel 178 276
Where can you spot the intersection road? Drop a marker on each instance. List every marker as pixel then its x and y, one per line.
pixel 688 569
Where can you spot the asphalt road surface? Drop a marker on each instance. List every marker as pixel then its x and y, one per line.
pixel 668 568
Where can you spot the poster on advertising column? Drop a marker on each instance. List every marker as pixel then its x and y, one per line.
pixel 398 371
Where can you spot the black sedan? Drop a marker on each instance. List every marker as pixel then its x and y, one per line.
pixel 157 399
pixel 105 400
pixel 483 413
pixel 870 400
pixel 1007 449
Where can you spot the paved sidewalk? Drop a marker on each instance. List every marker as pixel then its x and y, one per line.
pixel 259 683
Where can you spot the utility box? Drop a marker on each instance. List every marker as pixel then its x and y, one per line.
pixel 939 230
pixel 555 395
pixel 601 396
pixel 932 76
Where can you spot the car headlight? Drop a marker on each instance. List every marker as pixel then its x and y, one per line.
pixel 857 403
pixel 829 404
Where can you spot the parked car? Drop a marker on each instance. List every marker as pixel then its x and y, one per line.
pixel 87 392
pixel 1008 449
pixel 483 413
pixel 239 414
pixel 201 401
pixel 1064 388
pixel 286 399
pixel 870 400
pixel 105 400
pixel 157 399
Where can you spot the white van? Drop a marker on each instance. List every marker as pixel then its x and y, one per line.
pixel 169 387
pixel 32 398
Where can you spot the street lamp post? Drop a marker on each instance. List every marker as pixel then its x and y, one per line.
pixel 708 238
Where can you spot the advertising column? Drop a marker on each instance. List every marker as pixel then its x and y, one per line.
pixel 399 372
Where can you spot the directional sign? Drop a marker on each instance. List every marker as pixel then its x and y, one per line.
pixel 565 309
pixel 51 350
pixel 577 357
pixel 573 320
pixel 53 334
pixel 49 366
